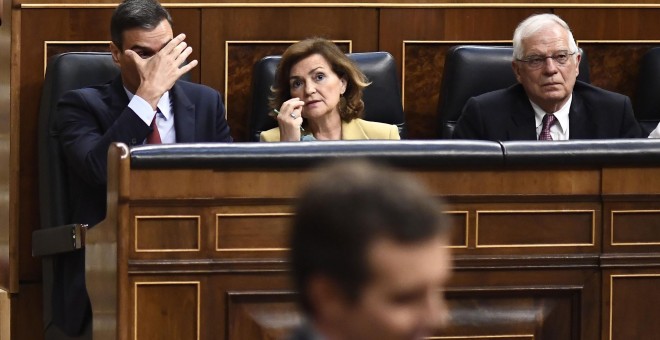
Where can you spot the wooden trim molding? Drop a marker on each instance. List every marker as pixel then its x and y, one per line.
pixel 5 315
pixel 611 295
pixel 535 245
pixel 357 5
pixel 70 42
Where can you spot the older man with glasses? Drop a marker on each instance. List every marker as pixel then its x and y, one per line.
pixel 548 103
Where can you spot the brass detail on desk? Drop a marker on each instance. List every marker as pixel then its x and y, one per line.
pixel 516 230
pixel 252 231
pixel 402 5
pixel 170 310
pixel 639 296
pixel 167 233
pixel 639 228
pixel 458 230
pixel 87 46
pixel 483 337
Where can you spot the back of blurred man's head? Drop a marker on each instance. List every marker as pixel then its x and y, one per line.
pixel 369 254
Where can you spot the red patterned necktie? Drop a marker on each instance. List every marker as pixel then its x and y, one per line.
pixel 154 136
pixel 548 120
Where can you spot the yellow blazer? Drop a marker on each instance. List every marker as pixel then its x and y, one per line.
pixel 355 129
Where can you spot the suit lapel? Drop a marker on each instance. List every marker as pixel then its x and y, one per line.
pixel 580 125
pixel 352 130
pixel 116 99
pixel 523 125
pixel 184 115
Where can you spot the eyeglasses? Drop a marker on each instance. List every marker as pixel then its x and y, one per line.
pixel 536 61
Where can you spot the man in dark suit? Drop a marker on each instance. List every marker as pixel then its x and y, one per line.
pixel 147 103
pixel 369 255
pixel 548 103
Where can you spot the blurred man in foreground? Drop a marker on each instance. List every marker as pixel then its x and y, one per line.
pixel 369 255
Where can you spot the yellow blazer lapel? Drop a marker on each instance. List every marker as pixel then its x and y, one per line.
pixel 352 130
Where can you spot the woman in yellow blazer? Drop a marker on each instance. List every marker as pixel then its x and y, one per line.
pixel 316 81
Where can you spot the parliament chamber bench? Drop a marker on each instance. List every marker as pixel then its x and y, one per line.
pixel 553 240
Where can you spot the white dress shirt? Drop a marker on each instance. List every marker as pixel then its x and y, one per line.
pixel 164 118
pixel 558 130
pixel 655 133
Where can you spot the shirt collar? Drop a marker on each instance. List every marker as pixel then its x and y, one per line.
pixel 163 104
pixel 561 114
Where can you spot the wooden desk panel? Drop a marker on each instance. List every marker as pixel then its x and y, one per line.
pixel 532 251
pixel 228 37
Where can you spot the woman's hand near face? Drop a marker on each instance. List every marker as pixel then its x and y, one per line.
pixel 289 119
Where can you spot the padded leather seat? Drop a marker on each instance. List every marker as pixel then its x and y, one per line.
pixel 471 70
pixel 382 99
pixel 64 72
pixel 601 152
pixel 446 153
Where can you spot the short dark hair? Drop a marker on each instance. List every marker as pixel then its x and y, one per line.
pixel 345 208
pixel 356 81
pixel 130 14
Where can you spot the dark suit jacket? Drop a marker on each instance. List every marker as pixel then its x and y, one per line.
pixel 508 115
pixel 88 121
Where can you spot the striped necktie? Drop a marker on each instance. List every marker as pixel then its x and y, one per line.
pixel 154 136
pixel 548 120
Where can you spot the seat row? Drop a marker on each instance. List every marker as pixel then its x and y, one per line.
pixel 469 70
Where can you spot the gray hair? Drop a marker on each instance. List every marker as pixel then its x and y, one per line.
pixel 534 24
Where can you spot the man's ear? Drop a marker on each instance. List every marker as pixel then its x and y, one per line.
pixel 326 297
pixel 116 52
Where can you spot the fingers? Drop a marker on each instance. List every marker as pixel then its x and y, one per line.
pixel 291 111
pixel 189 66
pixel 174 43
pixel 133 62
pixel 134 56
pixel 159 72
pixel 290 119
pixel 179 51
pixel 169 61
pixel 292 104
